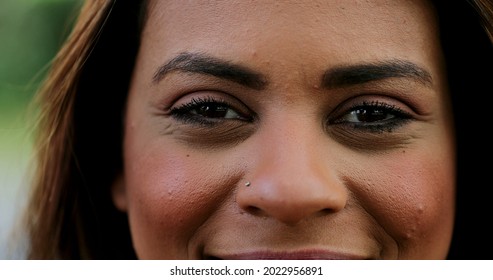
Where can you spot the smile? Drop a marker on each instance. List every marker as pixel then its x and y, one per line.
pixel 291 255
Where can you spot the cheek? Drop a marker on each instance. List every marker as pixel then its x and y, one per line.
pixel 170 193
pixel 412 198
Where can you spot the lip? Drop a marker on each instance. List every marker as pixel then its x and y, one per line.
pixel 288 255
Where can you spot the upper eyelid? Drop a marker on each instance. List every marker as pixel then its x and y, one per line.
pixel 183 84
pixel 196 102
pixel 201 94
pixel 376 100
pixel 237 106
pixel 231 101
pixel 377 104
pixel 208 99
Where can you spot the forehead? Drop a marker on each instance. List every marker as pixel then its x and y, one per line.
pixel 223 25
pixel 289 13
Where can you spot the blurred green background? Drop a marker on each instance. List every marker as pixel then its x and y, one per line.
pixel 31 31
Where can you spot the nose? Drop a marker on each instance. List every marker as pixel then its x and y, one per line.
pixel 292 177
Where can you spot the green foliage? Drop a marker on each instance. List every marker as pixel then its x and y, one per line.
pixel 31 31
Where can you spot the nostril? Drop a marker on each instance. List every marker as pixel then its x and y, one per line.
pixel 326 211
pixel 254 210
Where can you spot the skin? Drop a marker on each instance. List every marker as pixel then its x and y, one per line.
pixel 324 180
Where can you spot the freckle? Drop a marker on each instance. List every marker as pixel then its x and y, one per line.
pixel 403 151
pixel 188 155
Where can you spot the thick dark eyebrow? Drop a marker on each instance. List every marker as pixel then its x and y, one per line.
pixel 345 76
pixel 204 64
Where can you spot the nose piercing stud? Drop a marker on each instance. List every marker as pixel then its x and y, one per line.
pixel 247 184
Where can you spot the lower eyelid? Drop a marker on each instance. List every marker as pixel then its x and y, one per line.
pixel 371 141
pixel 198 121
pixel 381 127
pixel 221 136
pixel 384 127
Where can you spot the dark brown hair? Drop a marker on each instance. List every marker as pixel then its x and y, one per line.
pixel 79 140
pixel 71 215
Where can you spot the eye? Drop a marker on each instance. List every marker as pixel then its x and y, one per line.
pixel 209 110
pixel 375 116
pixel 214 110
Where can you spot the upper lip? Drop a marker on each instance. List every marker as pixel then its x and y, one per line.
pixel 288 255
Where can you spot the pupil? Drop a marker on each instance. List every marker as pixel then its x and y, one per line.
pixel 374 115
pixel 212 111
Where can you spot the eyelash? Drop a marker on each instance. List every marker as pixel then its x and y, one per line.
pixel 394 116
pixel 184 112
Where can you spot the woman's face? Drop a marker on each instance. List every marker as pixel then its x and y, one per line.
pixel 261 129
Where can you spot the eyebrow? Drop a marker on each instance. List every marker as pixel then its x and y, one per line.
pixel 345 76
pixel 204 64
pixel 337 77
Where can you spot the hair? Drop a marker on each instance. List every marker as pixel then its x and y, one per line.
pixel 79 138
pixel 80 130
